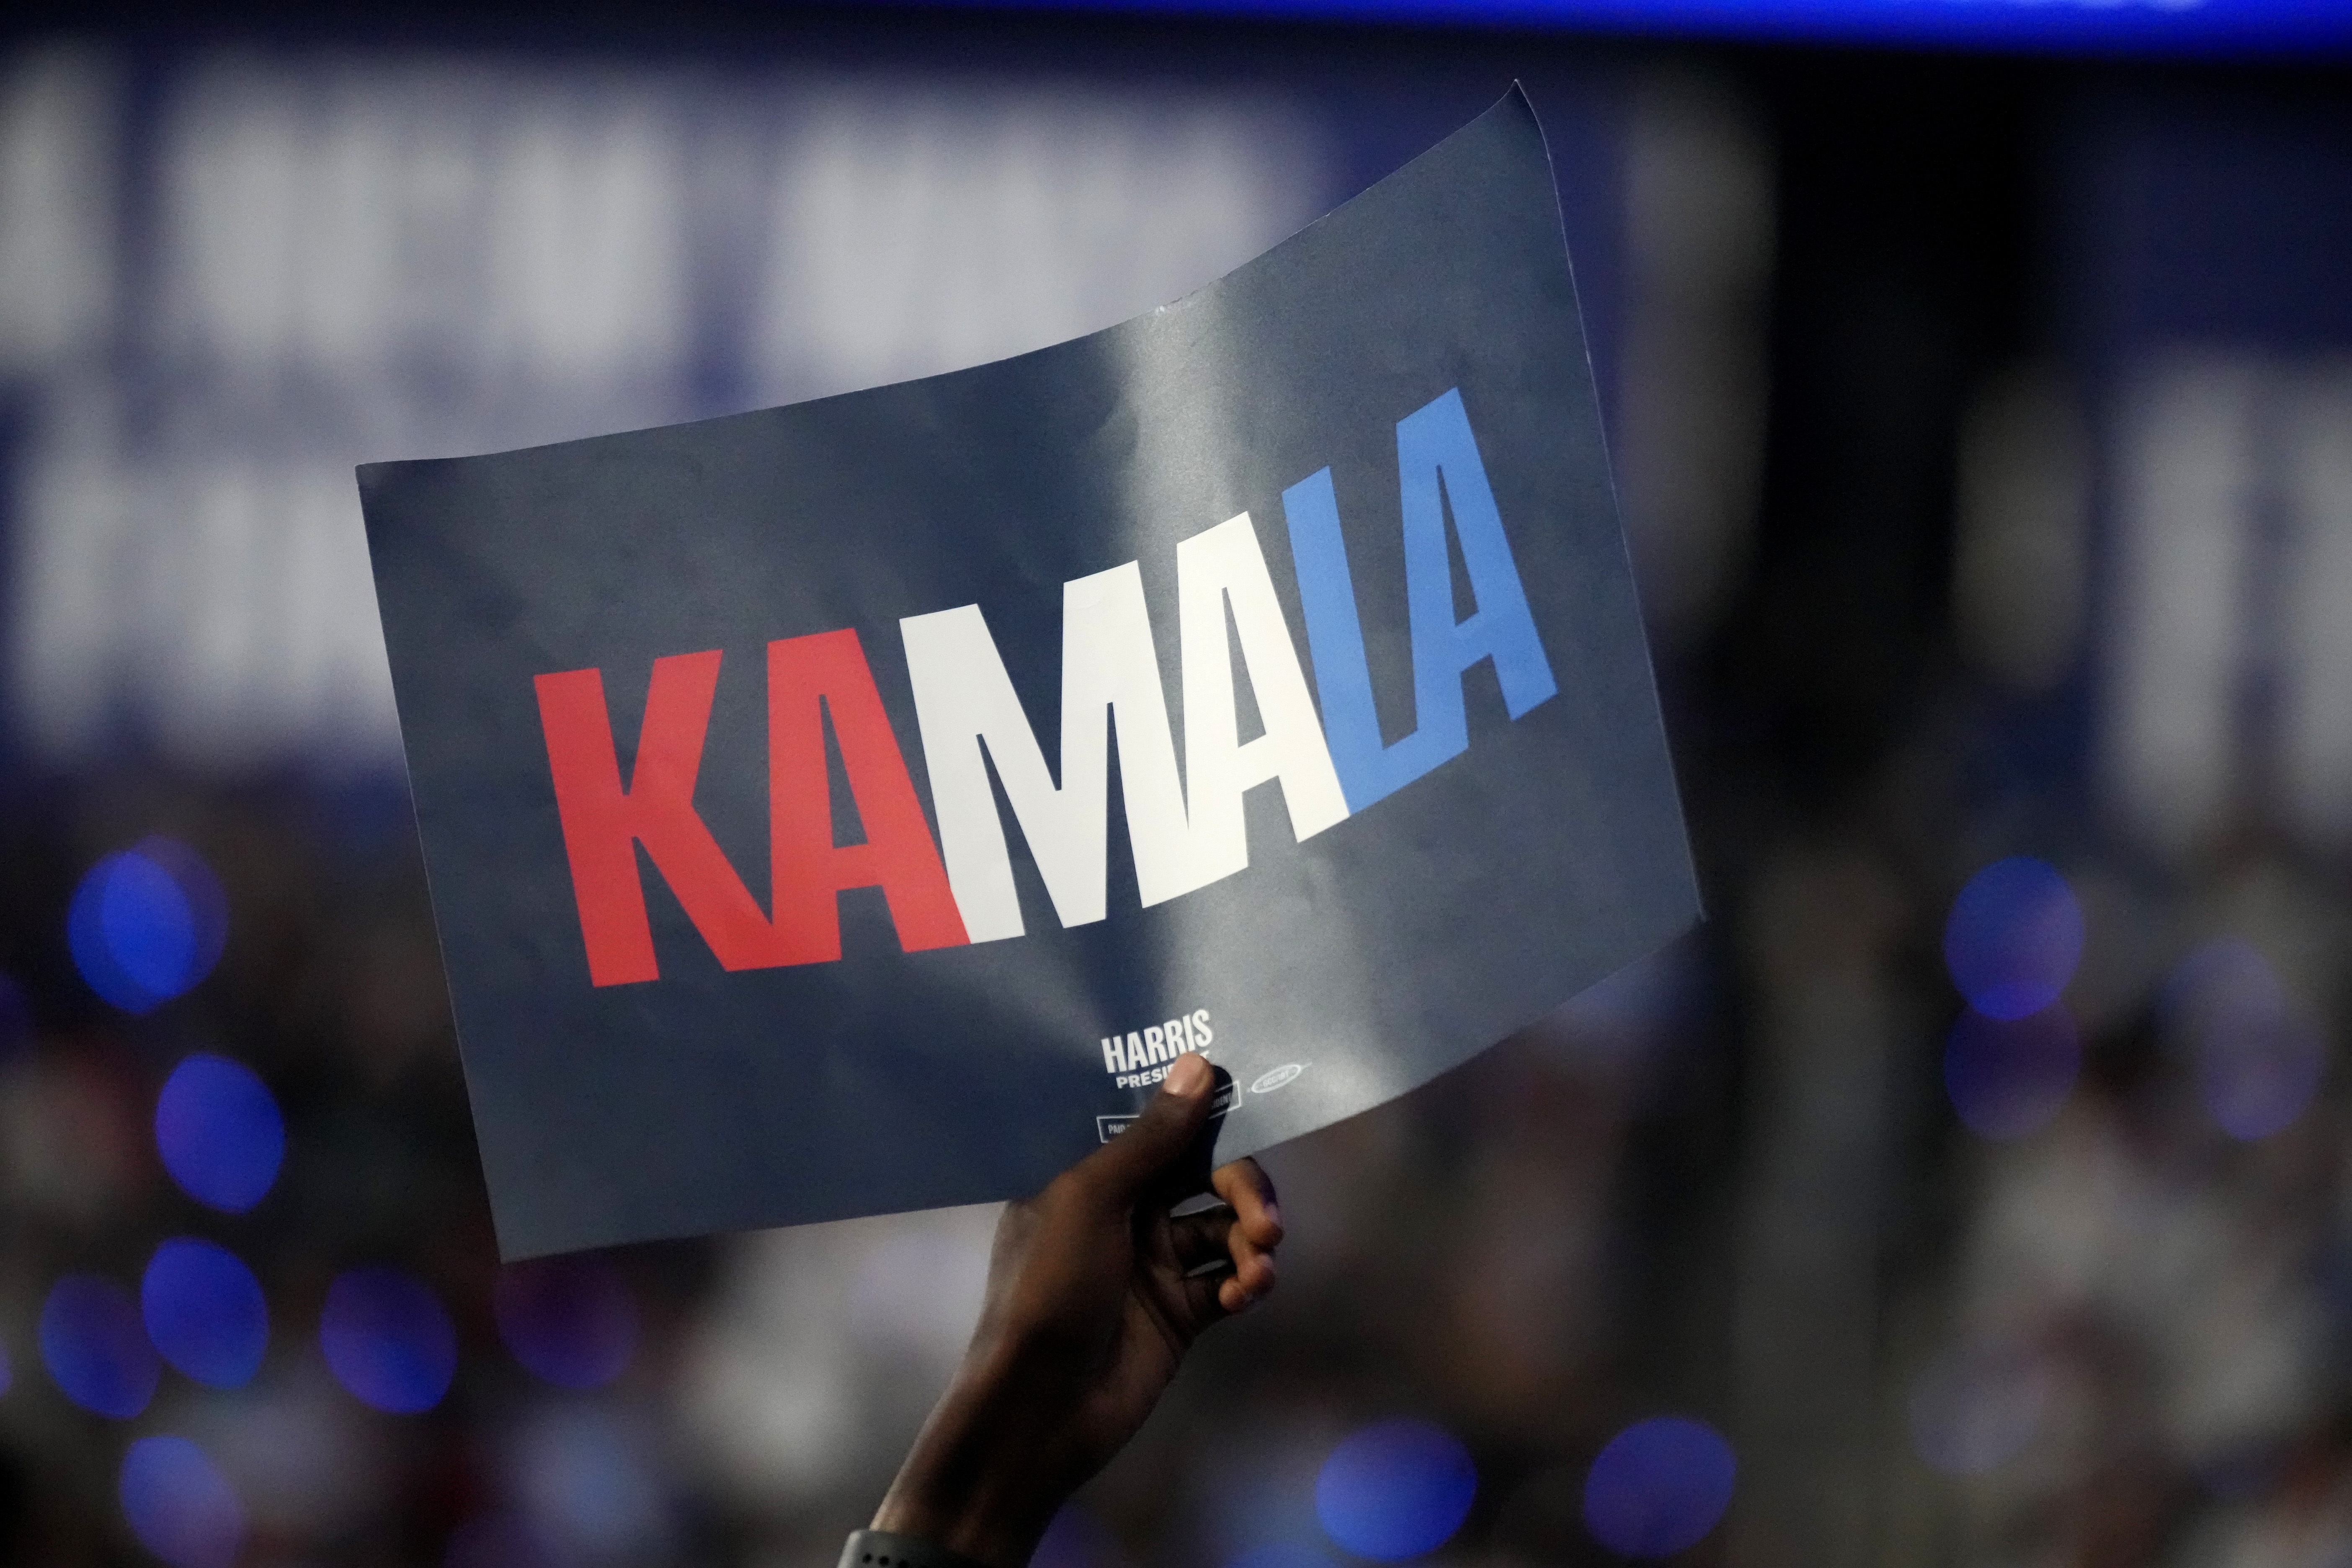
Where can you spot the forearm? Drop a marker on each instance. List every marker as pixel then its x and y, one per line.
pixel 1094 1293
pixel 979 1480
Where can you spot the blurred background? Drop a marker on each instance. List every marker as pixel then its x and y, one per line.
pixel 1971 1189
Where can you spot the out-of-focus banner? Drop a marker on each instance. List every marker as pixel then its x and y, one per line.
pixel 1320 564
pixel 229 274
pixel 2154 27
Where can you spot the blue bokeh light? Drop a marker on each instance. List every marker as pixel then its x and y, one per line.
pixel 147 924
pixel 2014 937
pixel 7 1373
pixel 96 1347
pixel 132 934
pixel 218 1130
pixel 205 1311
pixel 2258 1057
pixel 1658 1487
pixel 180 1505
pixel 1395 1490
pixel 1973 1409
pixel 387 1340
pixel 2008 1077
pixel 568 1319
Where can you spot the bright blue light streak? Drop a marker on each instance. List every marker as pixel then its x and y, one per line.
pixel 2180 28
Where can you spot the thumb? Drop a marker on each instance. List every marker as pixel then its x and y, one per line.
pixel 1121 1170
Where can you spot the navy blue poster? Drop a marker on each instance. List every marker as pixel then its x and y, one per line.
pixel 855 806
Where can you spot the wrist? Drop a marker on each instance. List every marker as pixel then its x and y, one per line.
pixel 975 1483
pixel 988 1525
pixel 889 1549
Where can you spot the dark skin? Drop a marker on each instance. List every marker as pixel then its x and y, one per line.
pixel 1092 1302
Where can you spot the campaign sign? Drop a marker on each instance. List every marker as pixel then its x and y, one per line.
pixel 855 806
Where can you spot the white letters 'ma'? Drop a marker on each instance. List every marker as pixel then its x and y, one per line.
pixel 1223 568
pixel 1110 667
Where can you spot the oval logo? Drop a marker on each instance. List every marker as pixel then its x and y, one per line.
pixel 1268 1083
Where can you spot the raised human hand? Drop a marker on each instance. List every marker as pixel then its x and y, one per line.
pixel 1094 1293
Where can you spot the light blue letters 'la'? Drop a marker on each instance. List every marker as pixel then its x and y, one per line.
pixel 1434 444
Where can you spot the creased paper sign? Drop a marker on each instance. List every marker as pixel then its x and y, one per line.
pixel 854 806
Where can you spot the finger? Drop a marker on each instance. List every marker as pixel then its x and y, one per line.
pixel 1200 1238
pixel 1245 1185
pixel 1209 1247
pixel 1226 1285
pixel 1248 1285
pixel 1253 1264
pixel 1119 1171
pixel 1237 1272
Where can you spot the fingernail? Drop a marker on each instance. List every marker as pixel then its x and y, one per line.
pixel 1189 1077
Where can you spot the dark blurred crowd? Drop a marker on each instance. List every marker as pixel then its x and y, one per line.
pixel 1982 437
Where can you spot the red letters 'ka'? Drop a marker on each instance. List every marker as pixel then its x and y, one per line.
pixel 602 823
